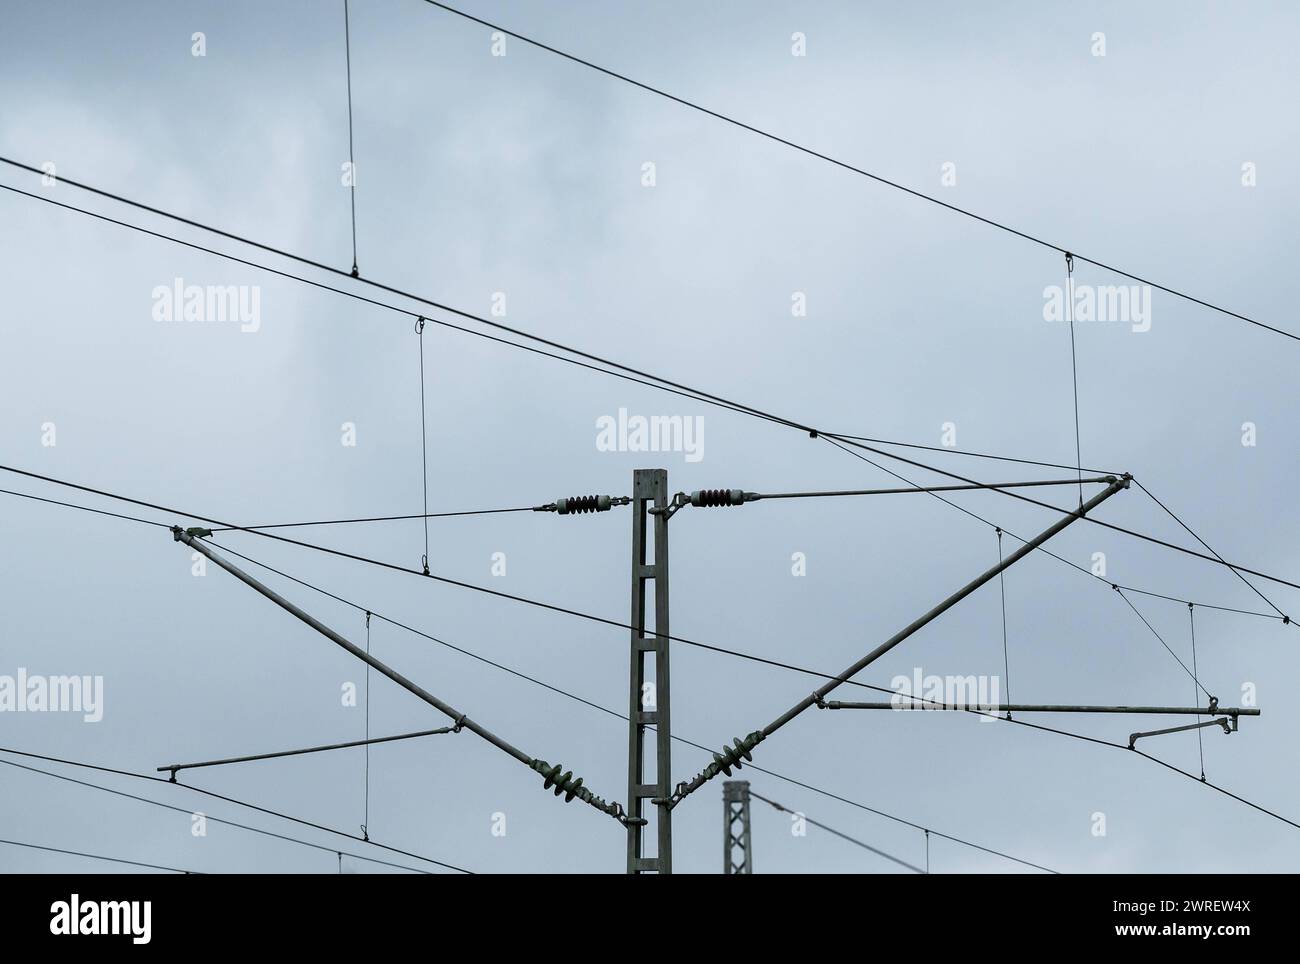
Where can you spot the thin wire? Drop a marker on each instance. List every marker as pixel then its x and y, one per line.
pixel 229 823
pixel 1002 585
pixel 1215 786
pixel 365 827
pixel 853 840
pixel 1172 515
pixel 1074 365
pixel 377 518
pixel 78 853
pixel 1153 759
pixel 390 289
pixel 1200 739
pixel 657 382
pixel 927 853
pixel 696 394
pixel 1164 644
pixel 1168 766
pixel 352 157
pixel 851 168
pixel 424 447
pixel 85 508
pixel 969 454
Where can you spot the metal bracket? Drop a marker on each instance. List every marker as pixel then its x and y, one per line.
pixel 1222 721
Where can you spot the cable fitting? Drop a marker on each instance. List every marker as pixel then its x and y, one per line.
pixel 194 532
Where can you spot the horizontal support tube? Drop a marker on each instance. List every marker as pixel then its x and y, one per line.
pixel 915 704
pixel 759 496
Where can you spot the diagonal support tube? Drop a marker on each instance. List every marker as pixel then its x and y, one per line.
pixel 820 694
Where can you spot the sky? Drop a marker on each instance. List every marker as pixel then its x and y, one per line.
pixel 518 183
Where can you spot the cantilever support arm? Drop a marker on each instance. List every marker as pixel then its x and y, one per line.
pixel 564 783
pixel 741 748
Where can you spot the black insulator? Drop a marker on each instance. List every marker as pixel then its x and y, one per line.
pixel 565 784
pixel 583 503
pixel 708 498
pixel 732 755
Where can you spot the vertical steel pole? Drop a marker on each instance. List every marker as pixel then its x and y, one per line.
pixel 737 856
pixel 648 705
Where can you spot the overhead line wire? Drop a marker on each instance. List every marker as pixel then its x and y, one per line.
pixel 79 853
pixel 843 836
pixel 655 381
pixel 844 165
pixel 210 793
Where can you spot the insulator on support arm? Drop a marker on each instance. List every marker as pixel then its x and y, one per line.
pixel 564 783
pixel 581 504
pixel 709 498
pixel 722 763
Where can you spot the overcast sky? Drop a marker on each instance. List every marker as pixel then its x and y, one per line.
pixel 524 175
